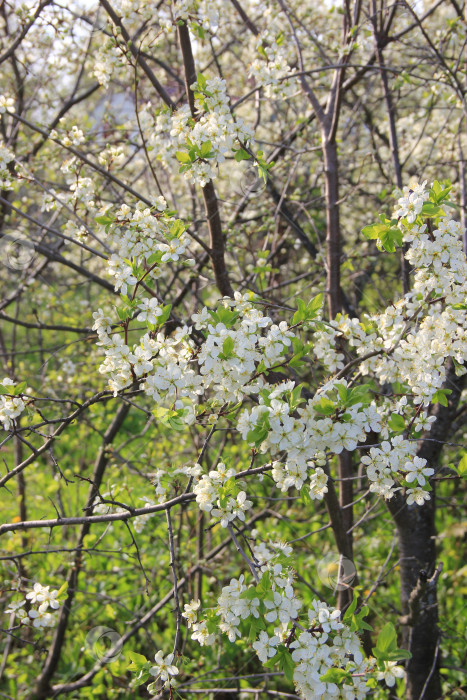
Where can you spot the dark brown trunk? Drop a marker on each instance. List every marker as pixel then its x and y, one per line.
pixel 333 253
pixel 333 237
pixel 416 531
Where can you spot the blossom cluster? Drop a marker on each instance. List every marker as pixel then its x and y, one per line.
pixel 6 103
pixel 204 13
pixel 109 57
pixel 71 137
pixel 40 616
pixel 427 326
pixel 241 343
pixel 305 433
pixel 142 239
pixel 200 15
pixel 6 157
pixel 396 460
pixel 312 643
pixel 227 361
pixel 81 190
pixel 410 342
pixel 271 70
pixel 11 406
pixel 411 202
pixel 200 145
pixel 217 494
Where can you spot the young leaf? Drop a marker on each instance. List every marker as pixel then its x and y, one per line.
pixel 201 80
pixel 227 347
pixel 183 157
pixel 205 149
pixel 104 220
pixel 374 231
pixel 387 639
pixel 241 154
pixel 396 423
pixel 138 660
pixel 19 388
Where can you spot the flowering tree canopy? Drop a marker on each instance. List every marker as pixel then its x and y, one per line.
pixel 233 342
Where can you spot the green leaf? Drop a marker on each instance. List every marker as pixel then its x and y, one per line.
pixel 305 495
pixel 343 393
pixel 264 585
pixel 295 398
pixel 138 660
pixel 164 315
pixel 19 388
pixel 286 663
pixel 225 316
pixel 250 593
pixel 104 220
pixel 398 655
pixel 359 394
pixel 260 432
pixel 300 314
pixel 316 303
pixel 462 466
pixel 335 675
pixel 123 313
pixel 326 407
pixel 429 209
pixel 441 397
pixel 201 80
pixel 307 312
pixel 351 609
pixel 183 157
pixel 177 228
pixel 438 193
pixel 176 423
pixel 205 149
pixel 241 154
pixel 62 589
pixel 155 257
pixel 198 29
pixel 390 238
pixel 387 639
pixel 360 622
pixel 257 624
pixel 374 231
pixel 396 423
pixel 227 347
pixel 141 678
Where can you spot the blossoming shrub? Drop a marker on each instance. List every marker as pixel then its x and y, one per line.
pixel 224 401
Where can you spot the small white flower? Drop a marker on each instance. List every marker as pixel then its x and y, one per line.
pixel 416 470
pixel 390 673
pixel 265 646
pixel 163 668
pixel 418 496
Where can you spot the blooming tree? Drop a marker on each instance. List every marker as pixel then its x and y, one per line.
pixel 234 342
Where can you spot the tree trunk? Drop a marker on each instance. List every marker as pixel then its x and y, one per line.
pixel 416 531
